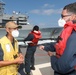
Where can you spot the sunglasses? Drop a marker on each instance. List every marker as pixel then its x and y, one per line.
pixel 64 15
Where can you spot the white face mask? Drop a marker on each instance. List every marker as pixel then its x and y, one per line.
pixel 61 22
pixel 15 33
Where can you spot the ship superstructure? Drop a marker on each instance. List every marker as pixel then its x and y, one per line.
pixel 17 17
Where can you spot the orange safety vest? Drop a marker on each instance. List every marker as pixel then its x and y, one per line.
pixel 37 36
pixel 61 44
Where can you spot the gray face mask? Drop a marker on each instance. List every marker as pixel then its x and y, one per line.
pixel 61 22
pixel 15 33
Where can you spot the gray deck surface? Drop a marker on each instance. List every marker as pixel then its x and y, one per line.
pixel 42 63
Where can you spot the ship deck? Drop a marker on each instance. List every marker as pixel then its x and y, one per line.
pixel 42 63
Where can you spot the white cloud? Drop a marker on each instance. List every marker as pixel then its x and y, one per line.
pixel 48 5
pixel 46 10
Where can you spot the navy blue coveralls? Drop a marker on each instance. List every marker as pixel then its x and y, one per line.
pixel 65 64
pixel 29 57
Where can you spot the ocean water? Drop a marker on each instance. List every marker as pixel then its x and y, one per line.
pixel 46 33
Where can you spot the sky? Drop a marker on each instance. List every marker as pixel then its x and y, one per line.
pixel 44 13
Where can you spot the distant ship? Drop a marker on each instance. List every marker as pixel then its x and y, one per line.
pixel 48 34
pixel 17 17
